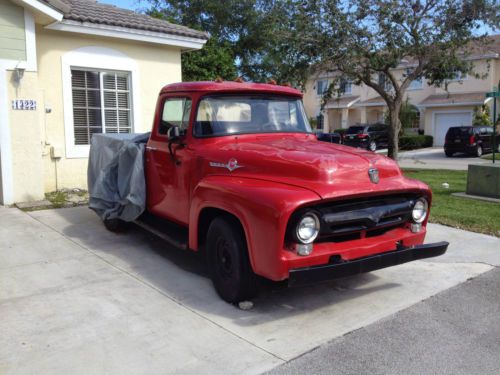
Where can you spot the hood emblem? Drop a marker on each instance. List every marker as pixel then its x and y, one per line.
pixel 373 173
pixel 231 165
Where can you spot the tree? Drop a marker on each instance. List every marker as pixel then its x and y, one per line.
pixel 481 116
pixel 212 61
pixel 408 115
pixel 246 30
pixel 365 40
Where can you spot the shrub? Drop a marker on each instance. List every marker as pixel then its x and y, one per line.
pixel 412 142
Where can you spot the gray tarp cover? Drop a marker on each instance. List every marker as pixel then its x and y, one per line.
pixel 117 186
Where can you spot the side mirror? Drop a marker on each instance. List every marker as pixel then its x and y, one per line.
pixel 173 134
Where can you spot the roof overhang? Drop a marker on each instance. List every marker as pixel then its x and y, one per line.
pixel 377 104
pixel 335 103
pixel 457 104
pixel 41 10
pixel 185 43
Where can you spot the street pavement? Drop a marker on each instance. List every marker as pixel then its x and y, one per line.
pixel 77 298
pixel 456 332
pixel 434 158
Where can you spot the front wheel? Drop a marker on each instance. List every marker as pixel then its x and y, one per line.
pixel 228 260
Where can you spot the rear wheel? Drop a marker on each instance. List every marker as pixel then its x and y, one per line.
pixel 228 260
pixel 372 146
pixel 479 151
pixel 448 154
pixel 114 225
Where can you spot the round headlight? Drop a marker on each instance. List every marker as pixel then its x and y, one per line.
pixel 420 210
pixel 307 228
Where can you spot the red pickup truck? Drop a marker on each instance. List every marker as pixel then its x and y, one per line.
pixel 234 170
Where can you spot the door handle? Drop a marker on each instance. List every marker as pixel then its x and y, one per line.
pixel 151 148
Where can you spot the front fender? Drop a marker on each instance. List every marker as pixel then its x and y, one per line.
pixel 263 208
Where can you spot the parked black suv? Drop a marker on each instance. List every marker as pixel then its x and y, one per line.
pixel 473 140
pixel 329 137
pixel 370 137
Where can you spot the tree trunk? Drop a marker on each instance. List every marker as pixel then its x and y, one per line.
pixel 394 129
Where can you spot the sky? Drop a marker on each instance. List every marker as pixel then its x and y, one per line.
pixel 127 4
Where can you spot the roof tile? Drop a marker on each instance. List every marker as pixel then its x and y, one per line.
pixel 454 99
pixel 103 14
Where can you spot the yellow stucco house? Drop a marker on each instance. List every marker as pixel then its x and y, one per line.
pixel 71 68
pixel 438 109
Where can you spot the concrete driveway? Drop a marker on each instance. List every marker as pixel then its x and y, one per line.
pixel 76 298
pixel 434 158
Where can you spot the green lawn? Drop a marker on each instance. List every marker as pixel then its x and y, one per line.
pixel 490 157
pixel 463 213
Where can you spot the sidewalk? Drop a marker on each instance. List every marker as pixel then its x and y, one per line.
pixel 434 158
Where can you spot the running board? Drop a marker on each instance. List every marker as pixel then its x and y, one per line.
pixel 175 235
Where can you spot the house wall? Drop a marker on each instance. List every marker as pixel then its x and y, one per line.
pixel 12 35
pixel 491 69
pixel 156 66
pixel 312 102
pixel 25 139
pixel 471 83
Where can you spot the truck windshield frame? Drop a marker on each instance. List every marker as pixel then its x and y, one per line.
pixel 237 114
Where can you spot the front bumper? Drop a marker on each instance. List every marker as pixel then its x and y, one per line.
pixel 468 149
pixel 315 274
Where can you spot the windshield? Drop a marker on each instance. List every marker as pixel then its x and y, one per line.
pixel 355 130
pixel 243 114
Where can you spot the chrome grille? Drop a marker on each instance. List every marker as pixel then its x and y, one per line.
pixel 354 219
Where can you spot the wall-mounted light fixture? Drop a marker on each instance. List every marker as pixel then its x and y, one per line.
pixel 18 73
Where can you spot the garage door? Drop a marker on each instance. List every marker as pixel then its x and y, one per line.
pixel 444 121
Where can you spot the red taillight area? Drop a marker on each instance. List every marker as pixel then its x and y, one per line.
pixel 472 140
pixel 362 135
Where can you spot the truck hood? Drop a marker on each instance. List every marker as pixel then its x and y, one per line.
pixel 301 160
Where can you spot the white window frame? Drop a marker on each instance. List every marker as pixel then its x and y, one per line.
pixel 99 59
pixel 459 76
pixel 348 84
pixel 387 84
pixel 101 95
pixel 317 86
pixel 416 84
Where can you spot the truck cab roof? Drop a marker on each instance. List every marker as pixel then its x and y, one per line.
pixel 230 87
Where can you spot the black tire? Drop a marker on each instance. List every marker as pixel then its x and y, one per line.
pixel 115 225
pixel 227 257
pixel 448 154
pixel 479 151
pixel 372 146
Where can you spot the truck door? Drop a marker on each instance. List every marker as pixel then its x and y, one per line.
pixel 166 170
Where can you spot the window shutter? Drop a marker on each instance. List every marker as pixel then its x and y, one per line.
pixel 101 103
pixel 87 118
